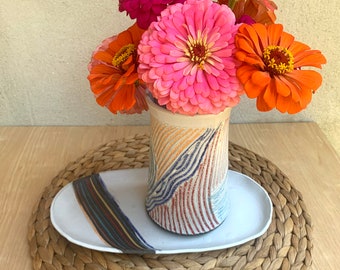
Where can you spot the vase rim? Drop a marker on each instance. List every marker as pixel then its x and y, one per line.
pixel 176 119
pixel 153 105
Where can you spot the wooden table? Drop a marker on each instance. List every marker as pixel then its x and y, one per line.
pixel 31 156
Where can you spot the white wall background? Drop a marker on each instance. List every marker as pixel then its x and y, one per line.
pixel 45 46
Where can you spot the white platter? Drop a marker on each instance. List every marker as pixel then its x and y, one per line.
pixel 250 215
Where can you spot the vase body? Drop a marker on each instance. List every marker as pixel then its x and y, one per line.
pixel 187 185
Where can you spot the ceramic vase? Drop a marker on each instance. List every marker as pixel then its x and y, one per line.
pixel 187 184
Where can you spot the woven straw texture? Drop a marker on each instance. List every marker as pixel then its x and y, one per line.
pixel 286 244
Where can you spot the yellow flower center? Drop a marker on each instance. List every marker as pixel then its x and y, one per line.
pixel 278 60
pixel 197 50
pixel 123 54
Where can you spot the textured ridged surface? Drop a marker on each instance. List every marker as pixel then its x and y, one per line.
pixel 188 196
pixel 286 244
pixel 188 167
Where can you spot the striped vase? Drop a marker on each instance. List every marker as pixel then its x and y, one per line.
pixel 187 185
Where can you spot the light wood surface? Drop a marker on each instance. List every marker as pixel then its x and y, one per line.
pixel 31 156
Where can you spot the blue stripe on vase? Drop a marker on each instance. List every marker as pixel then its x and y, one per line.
pixel 183 169
pixel 220 202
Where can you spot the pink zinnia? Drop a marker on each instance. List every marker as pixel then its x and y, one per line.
pixel 186 58
pixel 145 11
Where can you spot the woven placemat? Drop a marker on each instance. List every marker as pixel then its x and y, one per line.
pixel 286 244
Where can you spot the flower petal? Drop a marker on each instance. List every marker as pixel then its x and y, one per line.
pixel 281 87
pixel 262 105
pixel 115 86
pixel 262 33
pixel 283 103
pixel 199 35
pixel 306 78
pixel 270 94
pixel 274 33
pixel 312 58
pixel 289 91
pixel 286 40
pixel 260 78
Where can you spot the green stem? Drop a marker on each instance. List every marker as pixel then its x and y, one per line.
pixel 232 3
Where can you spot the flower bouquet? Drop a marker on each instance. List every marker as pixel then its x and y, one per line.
pixel 189 62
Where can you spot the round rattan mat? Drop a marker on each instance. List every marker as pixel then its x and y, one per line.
pixel 286 244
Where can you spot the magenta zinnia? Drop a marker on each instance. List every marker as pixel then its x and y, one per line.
pixel 145 11
pixel 186 58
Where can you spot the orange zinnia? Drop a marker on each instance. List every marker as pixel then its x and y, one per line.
pixel 113 73
pixel 271 69
pixel 259 11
